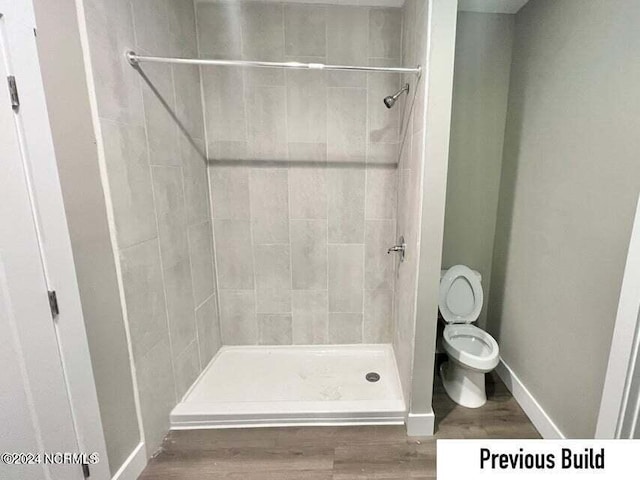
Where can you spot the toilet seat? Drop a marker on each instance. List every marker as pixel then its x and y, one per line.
pixel 471 347
pixel 460 299
pixel 472 352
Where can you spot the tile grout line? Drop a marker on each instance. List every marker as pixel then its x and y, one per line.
pixel 155 211
pixel 198 307
pixel 183 161
pixel 179 153
pixel 287 171
pixel 249 149
pixel 208 168
pixel 327 177
pixel 366 176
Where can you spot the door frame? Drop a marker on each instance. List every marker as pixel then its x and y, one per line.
pixel 625 346
pixel 50 217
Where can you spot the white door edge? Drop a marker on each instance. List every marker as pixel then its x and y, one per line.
pixel 19 20
pixel 625 342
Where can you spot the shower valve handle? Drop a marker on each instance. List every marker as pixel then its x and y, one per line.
pixel 401 247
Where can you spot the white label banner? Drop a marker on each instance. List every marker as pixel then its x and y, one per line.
pixel 538 459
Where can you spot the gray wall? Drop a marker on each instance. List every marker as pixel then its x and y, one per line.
pixel 302 172
pixel 571 176
pixel 436 127
pixel 64 78
pixel 151 135
pixel 480 90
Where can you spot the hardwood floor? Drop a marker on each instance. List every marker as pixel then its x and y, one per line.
pixel 335 453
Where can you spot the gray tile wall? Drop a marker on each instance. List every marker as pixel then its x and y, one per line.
pixel 152 130
pixel 302 171
pixel 414 51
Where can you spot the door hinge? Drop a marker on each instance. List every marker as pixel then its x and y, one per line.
pixel 85 470
pixel 13 92
pixel 53 303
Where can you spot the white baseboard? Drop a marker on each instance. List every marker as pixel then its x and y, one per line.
pixel 132 466
pixel 529 404
pixel 421 424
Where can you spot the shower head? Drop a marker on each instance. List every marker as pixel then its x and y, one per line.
pixel 390 101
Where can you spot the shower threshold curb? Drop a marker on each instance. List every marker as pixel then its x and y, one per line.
pixel 263 386
pixel 189 421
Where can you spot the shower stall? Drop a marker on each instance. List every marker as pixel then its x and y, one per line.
pixel 260 161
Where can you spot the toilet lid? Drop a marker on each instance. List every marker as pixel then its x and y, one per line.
pixel 460 295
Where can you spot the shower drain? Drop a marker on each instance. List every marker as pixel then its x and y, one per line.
pixel 372 377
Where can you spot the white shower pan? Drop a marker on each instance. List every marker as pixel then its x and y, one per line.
pixel 252 386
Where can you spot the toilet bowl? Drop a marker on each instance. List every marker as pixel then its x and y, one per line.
pixel 471 351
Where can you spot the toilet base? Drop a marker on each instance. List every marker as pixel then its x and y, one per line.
pixel 463 385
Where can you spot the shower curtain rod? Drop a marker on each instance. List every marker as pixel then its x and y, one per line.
pixel 135 59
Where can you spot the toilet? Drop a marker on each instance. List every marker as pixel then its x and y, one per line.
pixel 471 351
